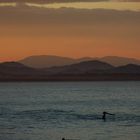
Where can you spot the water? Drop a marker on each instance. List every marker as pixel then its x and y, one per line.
pixel 52 110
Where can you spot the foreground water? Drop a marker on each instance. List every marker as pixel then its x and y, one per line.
pixel 50 111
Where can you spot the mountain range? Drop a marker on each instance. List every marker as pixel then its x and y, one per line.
pixel 86 70
pixel 46 61
pixel 13 70
pixel 86 67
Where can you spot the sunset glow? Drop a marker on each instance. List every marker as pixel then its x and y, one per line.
pixel 91 29
pixel 94 5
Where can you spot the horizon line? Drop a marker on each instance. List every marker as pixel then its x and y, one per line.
pixel 94 57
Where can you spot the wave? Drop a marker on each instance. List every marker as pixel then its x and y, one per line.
pixel 63 115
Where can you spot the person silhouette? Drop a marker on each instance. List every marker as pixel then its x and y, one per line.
pixel 104 115
pixel 69 139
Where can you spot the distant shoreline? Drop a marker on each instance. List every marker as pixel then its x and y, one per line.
pixel 43 81
pixel 73 78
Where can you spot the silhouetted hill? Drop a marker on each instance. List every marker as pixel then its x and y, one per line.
pixel 93 66
pixel 127 69
pixel 15 68
pixel 85 59
pixel 94 71
pixel 119 61
pixel 113 60
pixel 84 71
pixel 44 61
pixel 47 61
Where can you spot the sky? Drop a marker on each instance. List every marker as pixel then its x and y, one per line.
pixel 75 30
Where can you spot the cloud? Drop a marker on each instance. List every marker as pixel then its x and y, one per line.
pixel 61 1
pixel 94 5
pixel 125 0
pixel 97 22
pixel 51 1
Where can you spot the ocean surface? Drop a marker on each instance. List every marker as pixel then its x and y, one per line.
pixel 53 110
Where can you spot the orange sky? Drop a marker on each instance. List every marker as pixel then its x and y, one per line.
pixel 68 32
pixel 74 47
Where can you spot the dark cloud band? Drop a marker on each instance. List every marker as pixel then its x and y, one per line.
pixel 52 1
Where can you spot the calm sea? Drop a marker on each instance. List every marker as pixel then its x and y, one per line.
pixel 52 110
